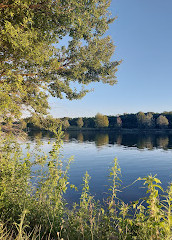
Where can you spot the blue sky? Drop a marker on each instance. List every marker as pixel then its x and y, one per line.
pixel 142 34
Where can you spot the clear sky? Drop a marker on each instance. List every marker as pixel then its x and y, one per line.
pixel 142 34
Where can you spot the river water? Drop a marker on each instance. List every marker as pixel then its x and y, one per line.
pixel 138 155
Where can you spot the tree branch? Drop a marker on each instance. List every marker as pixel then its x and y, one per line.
pixel 35 6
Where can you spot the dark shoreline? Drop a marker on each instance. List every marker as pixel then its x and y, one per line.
pixel 108 130
pixel 122 130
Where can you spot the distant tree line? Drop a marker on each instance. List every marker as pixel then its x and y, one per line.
pixel 139 120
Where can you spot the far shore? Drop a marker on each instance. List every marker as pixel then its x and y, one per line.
pixel 122 130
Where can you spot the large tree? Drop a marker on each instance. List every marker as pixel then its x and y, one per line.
pixel 35 62
pixel 141 119
pixel 80 122
pixel 162 121
pixel 149 120
pixel 101 121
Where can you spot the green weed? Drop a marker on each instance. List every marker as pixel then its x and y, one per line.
pixel 32 205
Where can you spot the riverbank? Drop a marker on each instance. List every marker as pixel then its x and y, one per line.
pixel 122 130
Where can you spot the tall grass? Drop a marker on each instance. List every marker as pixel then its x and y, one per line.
pixel 32 205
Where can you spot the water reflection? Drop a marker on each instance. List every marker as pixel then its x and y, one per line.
pixel 140 141
pixel 96 151
pixel 119 139
pixel 66 136
pixel 101 139
pixel 80 137
pixel 40 135
pixel 146 142
pixel 163 142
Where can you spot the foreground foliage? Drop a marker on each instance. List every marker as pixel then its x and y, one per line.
pixel 32 204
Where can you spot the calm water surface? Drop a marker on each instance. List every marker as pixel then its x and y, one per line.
pixel 138 155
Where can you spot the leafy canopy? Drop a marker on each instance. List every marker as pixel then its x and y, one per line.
pixel 35 62
pixel 162 121
pixel 101 120
pixel 80 122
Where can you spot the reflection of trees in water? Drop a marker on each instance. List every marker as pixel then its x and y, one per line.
pixel 162 142
pixel 66 136
pixel 145 142
pixel 37 135
pixel 80 137
pixel 101 139
pixel 141 141
pixel 41 134
pixel 119 139
pixel 129 140
pixel 149 142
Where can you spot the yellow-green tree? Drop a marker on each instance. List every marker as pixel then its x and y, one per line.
pixel 149 121
pixel 33 60
pixel 101 121
pixel 141 119
pixel 65 123
pixel 162 121
pixel 48 122
pixel 80 122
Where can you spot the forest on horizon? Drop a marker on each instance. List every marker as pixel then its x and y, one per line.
pixel 138 120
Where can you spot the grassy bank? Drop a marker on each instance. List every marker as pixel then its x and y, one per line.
pixel 32 204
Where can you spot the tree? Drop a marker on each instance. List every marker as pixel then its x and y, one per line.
pixel 149 120
pixel 65 123
pixel 48 122
pixel 80 122
pixel 119 122
pixel 33 62
pixel 23 124
pixel 162 121
pixel 101 121
pixel 141 119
